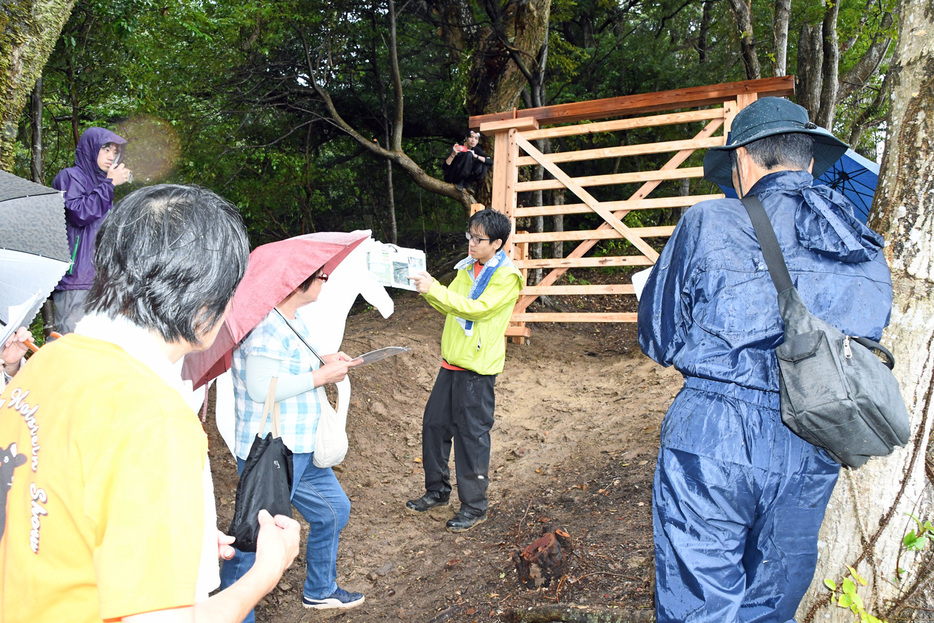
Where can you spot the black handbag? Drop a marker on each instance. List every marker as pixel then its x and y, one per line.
pixel 266 480
pixel 835 391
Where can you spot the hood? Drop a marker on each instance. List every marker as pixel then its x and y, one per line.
pixel 825 223
pixel 89 145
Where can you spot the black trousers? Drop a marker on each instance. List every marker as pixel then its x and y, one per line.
pixel 459 409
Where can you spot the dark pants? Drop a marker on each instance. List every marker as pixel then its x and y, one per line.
pixel 460 408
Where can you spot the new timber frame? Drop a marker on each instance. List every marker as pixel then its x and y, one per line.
pixel 710 107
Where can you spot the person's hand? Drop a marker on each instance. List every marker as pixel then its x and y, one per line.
pixel 224 543
pixel 422 281
pixel 14 350
pixel 276 546
pixel 119 174
pixel 337 357
pixel 334 369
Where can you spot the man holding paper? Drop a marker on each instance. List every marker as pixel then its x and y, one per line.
pixel 478 305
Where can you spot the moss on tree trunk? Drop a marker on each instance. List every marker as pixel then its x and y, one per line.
pixel 28 32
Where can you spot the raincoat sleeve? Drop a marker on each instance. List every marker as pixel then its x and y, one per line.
pixel 83 205
pixel 664 313
pixel 500 292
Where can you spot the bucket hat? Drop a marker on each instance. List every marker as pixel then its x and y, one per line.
pixel 769 116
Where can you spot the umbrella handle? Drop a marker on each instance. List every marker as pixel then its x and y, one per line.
pixel 31 345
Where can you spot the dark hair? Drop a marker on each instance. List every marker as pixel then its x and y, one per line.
pixel 495 224
pixel 471 133
pixel 168 258
pixel 794 150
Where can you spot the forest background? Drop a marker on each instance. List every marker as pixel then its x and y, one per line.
pixel 297 110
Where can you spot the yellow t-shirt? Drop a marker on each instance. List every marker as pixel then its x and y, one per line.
pixel 103 491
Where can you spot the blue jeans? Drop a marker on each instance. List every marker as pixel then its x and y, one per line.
pixel 318 496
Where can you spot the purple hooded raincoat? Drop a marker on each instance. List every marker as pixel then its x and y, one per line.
pixel 89 196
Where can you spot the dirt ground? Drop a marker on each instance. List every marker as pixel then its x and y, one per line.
pixel 574 446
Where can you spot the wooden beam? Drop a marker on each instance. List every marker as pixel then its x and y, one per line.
pixel 626 204
pixel 583 262
pixel 691 97
pixel 625 151
pixel 611 288
pixel 616 125
pixel 614 179
pixel 581 317
pixel 587 198
pixel 520 123
pixel 660 231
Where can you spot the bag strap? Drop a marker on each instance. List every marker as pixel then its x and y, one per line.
pixel 271 406
pixel 772 252
pixel 299 335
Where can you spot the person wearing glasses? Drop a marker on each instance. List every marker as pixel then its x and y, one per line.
pixel 478 305
pixel 275 348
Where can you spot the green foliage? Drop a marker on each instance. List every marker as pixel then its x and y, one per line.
pixel 845 596
pixel 230 85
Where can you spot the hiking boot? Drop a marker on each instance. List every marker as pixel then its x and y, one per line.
pixel 428 501
pixel 464 520
pixel 338 599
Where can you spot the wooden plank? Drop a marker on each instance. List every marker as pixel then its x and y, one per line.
pixel 519 123
pixel 518 330
pixel 594 234
pixel 581 317
pixel 691 97
pixel 583 262
pixel 617 125
pixel 611 288
pixel 628 204
pixel 626 151
pixel 587 198
pixel 581 249
pixel 617 178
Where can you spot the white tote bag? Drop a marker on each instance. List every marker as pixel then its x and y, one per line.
pixel 331 435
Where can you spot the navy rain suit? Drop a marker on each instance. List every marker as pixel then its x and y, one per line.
pixel 738 499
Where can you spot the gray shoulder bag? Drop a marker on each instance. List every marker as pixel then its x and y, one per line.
pixel 836 392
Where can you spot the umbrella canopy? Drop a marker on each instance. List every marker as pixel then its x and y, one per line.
pixel 853 176
pixel 33 248
pixel 856 178
pixel 274 271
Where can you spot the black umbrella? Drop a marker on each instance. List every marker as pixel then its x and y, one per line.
pixel 33 249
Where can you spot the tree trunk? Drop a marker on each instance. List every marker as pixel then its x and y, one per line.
pixel 742 11
pixel 780 37
pixel 868 515
pixel 518 29
pixel 810 63
pixel 28 33
pixel 831 68
pixel 35 111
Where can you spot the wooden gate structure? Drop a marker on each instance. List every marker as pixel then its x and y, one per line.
pixel 713 107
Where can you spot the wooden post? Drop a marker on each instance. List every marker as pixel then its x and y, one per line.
pixel 505 169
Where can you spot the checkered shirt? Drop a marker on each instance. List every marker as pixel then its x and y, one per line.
pixel 298 416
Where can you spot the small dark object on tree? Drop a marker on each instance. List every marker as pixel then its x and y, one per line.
pixel 545 558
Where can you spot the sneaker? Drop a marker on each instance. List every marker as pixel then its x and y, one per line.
pixel 338 599
pixel 465 520
pixel 428 501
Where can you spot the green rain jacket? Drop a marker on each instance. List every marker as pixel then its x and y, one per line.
pixel 484 352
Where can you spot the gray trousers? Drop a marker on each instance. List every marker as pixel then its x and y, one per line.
pixel 69 309
pixel 459 409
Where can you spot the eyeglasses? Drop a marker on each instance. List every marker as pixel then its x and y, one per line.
pixel 475 239
pixel 323 277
